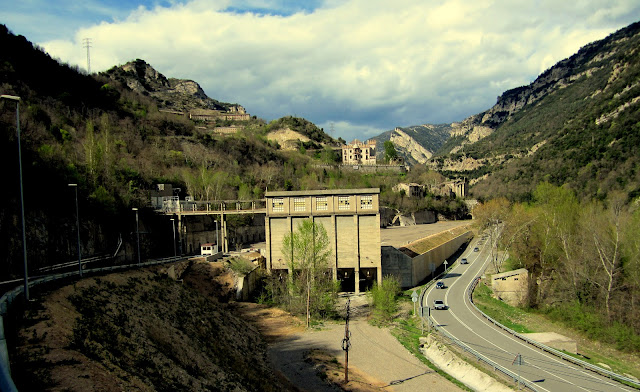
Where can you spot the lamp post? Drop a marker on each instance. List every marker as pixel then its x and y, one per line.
pixel 137 233
pixel 217 239
pixel 75 187
pixel 173 226
pixel 24 235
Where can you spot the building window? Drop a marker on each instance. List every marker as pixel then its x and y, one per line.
pixel 321 203
pixel 343 202
pixel 277 205
pixel 366 202
pixel 298 204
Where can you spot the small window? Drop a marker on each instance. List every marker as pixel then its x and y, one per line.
pixel 343 202
pixel 366 202
pixel 277 205
pixel 321 203
pixel 298 204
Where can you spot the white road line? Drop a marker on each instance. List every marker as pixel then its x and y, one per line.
pixel 493 344
pixel 514 339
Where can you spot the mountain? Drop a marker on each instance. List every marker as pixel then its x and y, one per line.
pixel 416 144
pixel 172 94
pixel 576 125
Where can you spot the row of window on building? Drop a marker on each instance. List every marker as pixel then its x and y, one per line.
pixel 344 203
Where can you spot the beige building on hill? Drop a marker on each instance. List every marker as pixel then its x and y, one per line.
pixel 351 218
pixel 235 113
pixel 359 153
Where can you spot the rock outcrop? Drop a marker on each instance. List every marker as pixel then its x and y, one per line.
pixel 180 95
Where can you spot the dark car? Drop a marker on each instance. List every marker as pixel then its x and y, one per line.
pixel 464 261
pixel 476 249
pixel 439 304
pixel 440 285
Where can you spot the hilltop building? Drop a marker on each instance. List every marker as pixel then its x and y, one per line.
pixel 351 218
pixel 359 153
pixel 235 113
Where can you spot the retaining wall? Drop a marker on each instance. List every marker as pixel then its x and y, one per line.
pixel 412 270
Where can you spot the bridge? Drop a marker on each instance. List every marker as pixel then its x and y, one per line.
pixel 174 206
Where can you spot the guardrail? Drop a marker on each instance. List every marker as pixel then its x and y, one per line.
pixel 477 355
pixel 6 382
pixel 553 351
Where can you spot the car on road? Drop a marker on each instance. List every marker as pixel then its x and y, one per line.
pixel 440 285
pixel 476 249
pixel 464 261
pixel 439 304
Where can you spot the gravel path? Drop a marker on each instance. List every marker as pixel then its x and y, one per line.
pixel 374 351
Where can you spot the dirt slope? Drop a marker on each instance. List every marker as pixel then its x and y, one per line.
pixel 142 331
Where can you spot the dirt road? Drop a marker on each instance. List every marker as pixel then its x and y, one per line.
pixel 374 351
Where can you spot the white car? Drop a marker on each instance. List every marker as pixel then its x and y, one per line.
pixel 439 304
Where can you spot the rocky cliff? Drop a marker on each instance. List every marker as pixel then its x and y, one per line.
pixel 416 144
pixel 170 93
pixel 575 125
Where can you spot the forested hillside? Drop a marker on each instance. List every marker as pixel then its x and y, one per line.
pixel 577 124
pixel 116 145
pixel 582 256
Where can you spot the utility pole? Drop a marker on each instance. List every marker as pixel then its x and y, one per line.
pixel 86 43
pixel 346 343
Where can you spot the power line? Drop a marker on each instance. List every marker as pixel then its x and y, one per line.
pixel 86 43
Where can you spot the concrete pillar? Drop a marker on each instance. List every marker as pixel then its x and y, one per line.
pixel 356 272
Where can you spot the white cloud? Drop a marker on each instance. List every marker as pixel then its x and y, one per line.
pixel 362 64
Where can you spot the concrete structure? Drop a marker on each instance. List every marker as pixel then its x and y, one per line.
pixel 410 189
pixel 511 286
pixel 235 113
pixel 352 220
pixel 359 153
pixel 208 249
pixel 416 261
pixel 457 188
pixel 160 194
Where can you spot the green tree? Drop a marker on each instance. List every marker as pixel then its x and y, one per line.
pixel 390 153
pixel 311 286
pixel 385 298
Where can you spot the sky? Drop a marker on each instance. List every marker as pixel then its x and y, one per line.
pixel 357 67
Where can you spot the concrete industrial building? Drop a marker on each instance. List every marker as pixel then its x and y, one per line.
pixel 351 218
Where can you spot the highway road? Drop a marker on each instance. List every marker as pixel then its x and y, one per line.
pixel 460 319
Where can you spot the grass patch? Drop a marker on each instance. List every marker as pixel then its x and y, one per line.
pixel 408 333
pixel 503 313
pixel 592 350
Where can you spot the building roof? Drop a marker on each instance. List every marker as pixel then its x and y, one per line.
pixel 320 192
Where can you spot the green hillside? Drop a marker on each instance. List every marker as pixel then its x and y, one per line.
pixel 116 145
pixel 577 125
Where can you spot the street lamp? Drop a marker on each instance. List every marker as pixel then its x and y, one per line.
pixel 75 187
pixel 173 226
pixel 137 233
pixel 217 239
pixel 24 235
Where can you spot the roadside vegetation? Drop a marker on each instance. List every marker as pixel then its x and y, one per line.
pixel 583 260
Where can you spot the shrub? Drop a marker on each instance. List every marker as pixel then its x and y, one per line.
pixel 384 297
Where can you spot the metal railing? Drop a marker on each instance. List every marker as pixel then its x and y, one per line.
pixel 213 206
pixel 553 351
pixel 6 382
pixel 477 355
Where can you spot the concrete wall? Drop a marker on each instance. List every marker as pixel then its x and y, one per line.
pixel 412 271
pixel 246 284
pixel 397 264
